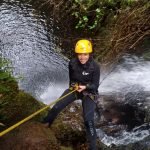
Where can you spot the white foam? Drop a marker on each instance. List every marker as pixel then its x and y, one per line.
pixel 131 75
pixel 124 138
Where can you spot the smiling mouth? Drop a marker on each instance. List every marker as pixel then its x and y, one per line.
pixel 82 61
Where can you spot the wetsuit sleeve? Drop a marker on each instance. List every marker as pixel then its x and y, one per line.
pixel 70 74
pixel 95 79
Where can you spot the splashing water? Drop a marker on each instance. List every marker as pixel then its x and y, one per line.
pixel 125 137
pixel 131 75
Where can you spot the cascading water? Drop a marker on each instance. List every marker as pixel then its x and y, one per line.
pixel 131 75
pixel 25 39
pixel 30 46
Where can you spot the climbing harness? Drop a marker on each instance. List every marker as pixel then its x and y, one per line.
pixel 73 86
pixel 91 95
pixel 36 113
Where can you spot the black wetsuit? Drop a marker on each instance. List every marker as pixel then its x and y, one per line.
pixel 85 74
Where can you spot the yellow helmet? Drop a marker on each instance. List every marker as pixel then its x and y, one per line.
pixel 83 46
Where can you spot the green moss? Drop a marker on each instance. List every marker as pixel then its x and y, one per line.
pixel 15 105
pixel 19 106
pixel 3 89
pixel 66 133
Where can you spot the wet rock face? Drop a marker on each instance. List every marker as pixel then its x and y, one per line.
pixel 141 100
pixel 30 136
pixel 123 118
pixel 69 127
pixel 121 112
pixel 66 133
pixel 124 114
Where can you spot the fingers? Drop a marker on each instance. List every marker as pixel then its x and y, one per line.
pixel 81 88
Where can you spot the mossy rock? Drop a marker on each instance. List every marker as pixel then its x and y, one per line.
pixel 30 136
pixel 19 106
pixel 8 87
pixel 15 104
pixel 69 128
pixel 67 134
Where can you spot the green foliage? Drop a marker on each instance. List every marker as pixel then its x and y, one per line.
pixel 2 105
pixel 5 80
pixel 5 75
pixel 91 14
pixel 5 70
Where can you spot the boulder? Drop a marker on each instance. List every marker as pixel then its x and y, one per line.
pixel 30 136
